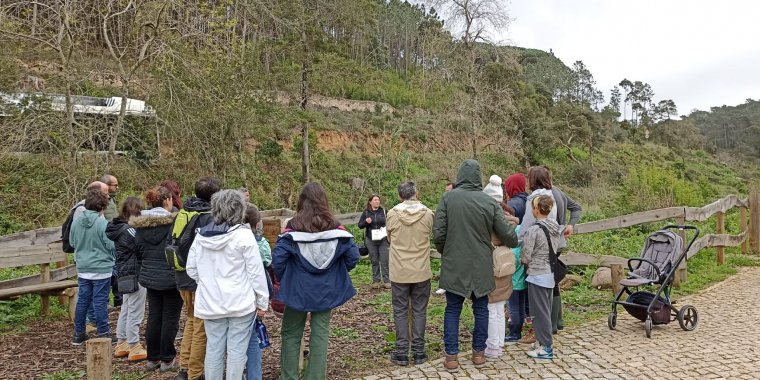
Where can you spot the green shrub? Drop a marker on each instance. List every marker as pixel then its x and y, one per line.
pixel 650 187
pixel 270 149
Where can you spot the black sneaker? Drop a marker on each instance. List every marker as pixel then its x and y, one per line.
pixel 419 358
pixel 112 337
pixel 399 359
pixel 182 374
pixel 79 339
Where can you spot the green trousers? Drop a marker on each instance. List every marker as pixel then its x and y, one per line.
pixel 293 323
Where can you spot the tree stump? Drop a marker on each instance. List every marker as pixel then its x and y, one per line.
pixel 99 354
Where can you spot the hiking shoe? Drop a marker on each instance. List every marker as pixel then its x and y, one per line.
pixel 387 285
pixel 451 362
pixel 79 339
pixel 529 338
pixel 419 358
pixel 399 359
pixel 137 353
pixel 121 350
pixel 182 374
pixel 511 339
pixel 542 353
pixel 152 365
pixel 169 366
pixel 478 358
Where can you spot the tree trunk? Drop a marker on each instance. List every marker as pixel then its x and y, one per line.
pixel 304 98
pixel 120 119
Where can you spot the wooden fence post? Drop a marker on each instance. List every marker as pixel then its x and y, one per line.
pixel 743 228
pixel 616 275
pixel 720 229
pixel 681 273
pixel 99 354
pixel 754 217
pixel 44 298
pixel 62 299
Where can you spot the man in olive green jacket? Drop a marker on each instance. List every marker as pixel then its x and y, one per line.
pixel 464 221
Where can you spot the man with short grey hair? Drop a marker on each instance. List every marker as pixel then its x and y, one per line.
pixel 409 226
pixel 113 189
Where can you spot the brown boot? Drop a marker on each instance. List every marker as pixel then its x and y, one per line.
pixel 451 362
pixel 478 358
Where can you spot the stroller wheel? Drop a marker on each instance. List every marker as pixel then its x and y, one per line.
pixel 648 327
pixel 612 321
pixel 688 317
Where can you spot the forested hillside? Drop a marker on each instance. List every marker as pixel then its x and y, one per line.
pixel 235 86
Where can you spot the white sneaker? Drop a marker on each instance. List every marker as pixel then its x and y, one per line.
pixel 440 292
pixel 541 353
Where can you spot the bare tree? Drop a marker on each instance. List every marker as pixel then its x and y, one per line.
pixel 130 47
pixel 54 25
pixel 472 21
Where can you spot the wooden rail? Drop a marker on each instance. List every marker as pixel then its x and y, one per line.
pixel 698 214
pixel 43 241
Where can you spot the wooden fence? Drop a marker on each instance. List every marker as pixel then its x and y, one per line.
pixel 748 238
pixel 683 215
pixel 680 216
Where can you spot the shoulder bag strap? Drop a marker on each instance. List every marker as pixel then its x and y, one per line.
pixel 552 254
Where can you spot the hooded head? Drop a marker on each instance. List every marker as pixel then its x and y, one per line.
pixel 468 177
pixel 493 188
pixel 514 184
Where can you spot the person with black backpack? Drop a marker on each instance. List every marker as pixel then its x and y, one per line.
pixel 74 213
pixel 195 214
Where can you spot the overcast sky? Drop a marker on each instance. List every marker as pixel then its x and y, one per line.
pixel 699 53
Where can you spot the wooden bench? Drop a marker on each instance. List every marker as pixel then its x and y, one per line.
pixel 47 283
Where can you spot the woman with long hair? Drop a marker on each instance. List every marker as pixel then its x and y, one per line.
pixel 127 272
pixel 540 183
pixel 164 302
pixel 312 260
pixel 373 219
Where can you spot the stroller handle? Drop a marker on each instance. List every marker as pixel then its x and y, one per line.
pixel 694 229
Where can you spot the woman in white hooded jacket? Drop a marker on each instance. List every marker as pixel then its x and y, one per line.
pixel 232 289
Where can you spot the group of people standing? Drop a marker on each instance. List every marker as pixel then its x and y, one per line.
pixel 473 228
pixel 206 254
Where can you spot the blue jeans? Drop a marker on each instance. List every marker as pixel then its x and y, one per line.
pixel 451 322
pixel 93 294
pixel 517 312
pixel 231 335
pixel 90 318
pixel 253 364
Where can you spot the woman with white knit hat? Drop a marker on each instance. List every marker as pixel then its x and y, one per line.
pixel 504 267
pixel 494 188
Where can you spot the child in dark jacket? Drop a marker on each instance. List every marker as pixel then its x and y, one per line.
pixel 540 279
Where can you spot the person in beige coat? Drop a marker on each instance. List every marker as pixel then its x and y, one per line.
pixel 503 268
pixel 409 225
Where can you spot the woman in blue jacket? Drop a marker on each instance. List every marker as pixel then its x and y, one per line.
pixel 312 259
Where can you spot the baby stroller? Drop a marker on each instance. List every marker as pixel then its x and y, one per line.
pixel 659 261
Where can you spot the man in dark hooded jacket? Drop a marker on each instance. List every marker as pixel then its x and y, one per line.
pixel 464 221
pixel 193 346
